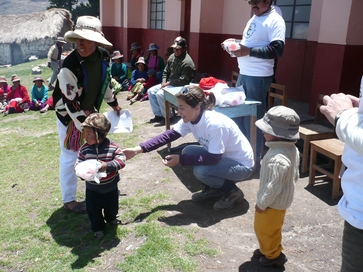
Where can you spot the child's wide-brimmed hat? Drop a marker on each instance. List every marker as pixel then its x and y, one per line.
pixel 140 60
pixel 36 78
pixel 153 47
pixel 88 28
pixel 15 78
pixel 116 55
pixel 134 46
pixel 3 79
pixel 281 122
pixel 98 121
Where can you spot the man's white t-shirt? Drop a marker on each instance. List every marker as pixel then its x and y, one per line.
pixel 260 31
pixel 219 134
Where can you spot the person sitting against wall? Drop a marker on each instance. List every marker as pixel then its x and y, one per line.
pixel 18 97
pixel 4 90
pixel 178 72
pixel 136 53
pixel 39 95
pixel 138 78
pixel 154 61
pixel 118 67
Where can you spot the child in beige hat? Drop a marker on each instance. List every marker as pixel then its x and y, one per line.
pixel 278 175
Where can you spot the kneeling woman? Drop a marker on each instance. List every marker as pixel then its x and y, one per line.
pixel 223 157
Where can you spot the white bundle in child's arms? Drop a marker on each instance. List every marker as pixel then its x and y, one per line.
pixel 88 170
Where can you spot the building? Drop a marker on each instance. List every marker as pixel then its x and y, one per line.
pixel 323 51
pixel 26 35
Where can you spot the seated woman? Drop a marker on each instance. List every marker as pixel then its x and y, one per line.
pixel 118 67
pixel 18 97
pixel 39 95
pixel 223 157
pixel 4 90
pixel 154 61
pixel 136 53
pixel 138 78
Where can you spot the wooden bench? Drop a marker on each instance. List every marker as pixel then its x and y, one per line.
pixel 332 149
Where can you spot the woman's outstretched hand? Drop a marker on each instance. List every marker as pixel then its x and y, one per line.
pixel 132 152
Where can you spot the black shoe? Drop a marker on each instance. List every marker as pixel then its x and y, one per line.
pixel 257 254
pixel 206 194
pixel 227 201
pixel 279 261
pixel 156 119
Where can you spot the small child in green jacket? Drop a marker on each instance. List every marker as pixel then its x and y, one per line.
pixel 278 175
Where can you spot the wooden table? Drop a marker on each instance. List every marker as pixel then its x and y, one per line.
pixel 249 108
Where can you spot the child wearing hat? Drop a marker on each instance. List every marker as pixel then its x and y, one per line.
pixel 278 175
pixel 142 93
pixel 39 95
pixel 138 78
pixel 102 199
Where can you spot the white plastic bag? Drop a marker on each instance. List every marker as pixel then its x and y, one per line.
pixel 233 96
pixel 230 45
pixel 88 170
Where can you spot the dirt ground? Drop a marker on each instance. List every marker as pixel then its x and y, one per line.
pixel 311 234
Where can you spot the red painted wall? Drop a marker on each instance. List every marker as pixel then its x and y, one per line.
pixel 306 68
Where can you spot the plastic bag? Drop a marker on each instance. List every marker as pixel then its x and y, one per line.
pixel 233 96
pixel 88 170
pixel 230 45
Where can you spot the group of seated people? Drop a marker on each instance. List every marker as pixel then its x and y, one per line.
pixel 15 98
pixel 148 75
pixel 144 71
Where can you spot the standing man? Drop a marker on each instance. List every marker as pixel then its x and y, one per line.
pixel 345 112
pixel 54 59
pixel 177 72
pixel 263 40
pixel 83 82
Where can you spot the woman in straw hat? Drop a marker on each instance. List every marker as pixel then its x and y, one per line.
pixel 17 96
pixel 83 82
pixel 39 95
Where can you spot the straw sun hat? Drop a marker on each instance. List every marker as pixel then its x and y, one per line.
pixel 88 28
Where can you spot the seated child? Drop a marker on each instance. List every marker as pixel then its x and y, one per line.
pixel 102 199
pixel 39 95
pixel 152 81
pixel 278 175
pixel 138 78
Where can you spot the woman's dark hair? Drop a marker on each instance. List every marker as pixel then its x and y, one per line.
pixel 195 96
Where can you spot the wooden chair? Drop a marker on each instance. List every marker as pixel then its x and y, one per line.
pixel 276 91
pixel 311 132
pixel 332 149
pixel 234 78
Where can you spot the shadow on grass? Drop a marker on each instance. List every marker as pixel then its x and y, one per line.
pixel 254 266
pixel 188 212
pixel 74 231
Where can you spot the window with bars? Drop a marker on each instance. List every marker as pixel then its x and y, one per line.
pixel 157 14
pixel 296 14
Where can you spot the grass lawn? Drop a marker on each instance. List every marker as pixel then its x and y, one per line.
pixel 37 234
